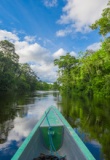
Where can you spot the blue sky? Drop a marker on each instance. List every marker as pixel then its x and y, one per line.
pixel 43 30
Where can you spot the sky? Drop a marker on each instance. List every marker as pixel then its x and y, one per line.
pixel 43 30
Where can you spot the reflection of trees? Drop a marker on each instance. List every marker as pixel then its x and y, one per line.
pixel 92 117
pixel 7 114
pixel 10 107
pixel 55 94
pixel 4 130
pixel 42 94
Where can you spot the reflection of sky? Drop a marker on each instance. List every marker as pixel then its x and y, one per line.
pixel 95 149
pixel 26 119
pixel 93 146
pixel 24 123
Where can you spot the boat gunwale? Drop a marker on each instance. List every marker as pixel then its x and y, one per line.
pixel 18 153
pixel 74 135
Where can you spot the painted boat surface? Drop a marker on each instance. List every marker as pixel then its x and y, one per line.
pixel 66 141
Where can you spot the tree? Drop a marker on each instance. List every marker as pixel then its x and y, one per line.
pixel 8 65
pixel 104 22
pixel 90 73
pixel 55 86
pixel 27 78
pixel 106 45
pixel 8 50
pixel 14 76
pixel 65 65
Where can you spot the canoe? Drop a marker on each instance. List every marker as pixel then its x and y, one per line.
pixel 53 135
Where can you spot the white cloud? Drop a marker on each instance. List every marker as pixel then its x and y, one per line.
pixel 63 32
pixel 50 3
pixel 59 53
pixel 94 46
pixel 40 58
pixel 30 38
pixel 8 36
pixel 72 53
pixel 46 42
pixel 46 72
pixel 79 14
pixel 33 53
pixel 62 52
pixel 21 131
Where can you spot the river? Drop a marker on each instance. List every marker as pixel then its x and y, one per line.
pixel 89 118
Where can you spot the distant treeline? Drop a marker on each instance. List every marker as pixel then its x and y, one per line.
pixel 15 76
pixel 89 74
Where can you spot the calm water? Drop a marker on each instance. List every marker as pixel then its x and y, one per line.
pixel 89 118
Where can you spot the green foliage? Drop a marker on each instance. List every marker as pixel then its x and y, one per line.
pixel 87 75
pixel 8 65
pixel 27 79
pixel 14 76
pixel 8 50
pixel 65 64
pixel 43 86
pixel 55 86
pixel 89 116
pixel 104 22
pixel 106 45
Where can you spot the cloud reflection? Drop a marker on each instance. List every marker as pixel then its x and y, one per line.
pixel 27 116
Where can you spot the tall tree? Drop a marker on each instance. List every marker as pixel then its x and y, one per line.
pixel 65 64
pixel 8 50
pixel 8 65
pixel 14 76
pixel 27 78
pixel 104 22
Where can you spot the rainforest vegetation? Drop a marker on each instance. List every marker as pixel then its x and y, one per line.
pixel 15 76
pixel 89 73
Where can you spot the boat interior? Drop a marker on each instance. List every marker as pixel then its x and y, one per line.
pixel 69 147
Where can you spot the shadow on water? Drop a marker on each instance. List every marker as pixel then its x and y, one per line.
pixel 90 119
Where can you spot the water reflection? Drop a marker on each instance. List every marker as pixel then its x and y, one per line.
pixel 89 118
pixel 92 118
pixel 18 115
